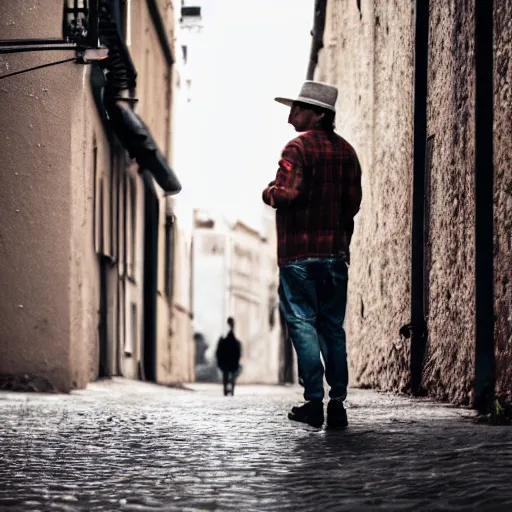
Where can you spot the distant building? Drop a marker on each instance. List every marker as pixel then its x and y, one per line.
pixel 235 274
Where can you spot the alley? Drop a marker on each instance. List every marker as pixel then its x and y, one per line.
pixel 124 445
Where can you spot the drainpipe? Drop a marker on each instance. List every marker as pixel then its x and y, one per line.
pixel 417 328
pixel 317 35
pixel 484 202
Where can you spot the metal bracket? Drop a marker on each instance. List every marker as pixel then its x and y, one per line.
pixel 88 55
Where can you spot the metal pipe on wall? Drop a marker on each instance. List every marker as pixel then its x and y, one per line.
pixel 317 35
pixel 418 328
pixel 484 203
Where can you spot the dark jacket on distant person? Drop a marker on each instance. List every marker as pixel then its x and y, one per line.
pixel 229 351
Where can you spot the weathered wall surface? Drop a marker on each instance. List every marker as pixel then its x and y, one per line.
pixel 449 369
pixel 369 55
pixel 45 295
pixel 503 195
pixel 83 290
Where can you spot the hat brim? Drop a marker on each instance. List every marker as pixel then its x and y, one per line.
pixel 285 101
pixel 289 102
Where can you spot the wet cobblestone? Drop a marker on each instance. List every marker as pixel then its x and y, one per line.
pixel 124 445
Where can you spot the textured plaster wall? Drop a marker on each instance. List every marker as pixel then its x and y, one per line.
pixel 30 19
pixel 503 194
pixel 83 290
pixel 46 295
pixel 449 368
pixel 369 56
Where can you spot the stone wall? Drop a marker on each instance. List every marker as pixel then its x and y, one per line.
pixel 369 54
pixel 448 372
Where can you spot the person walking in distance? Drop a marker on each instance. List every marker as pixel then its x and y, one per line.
pixel 229 351
pixel 316 194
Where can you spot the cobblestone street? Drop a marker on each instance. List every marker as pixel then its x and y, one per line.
pixel 122 445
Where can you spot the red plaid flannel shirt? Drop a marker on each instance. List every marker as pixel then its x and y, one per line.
pixel 317 192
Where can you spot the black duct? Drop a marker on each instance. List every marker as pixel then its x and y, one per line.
pixel 485 371
pixel 317 41
pixel 418 331
pixel 138 141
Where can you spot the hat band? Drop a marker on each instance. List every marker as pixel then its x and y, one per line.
pixel 318 103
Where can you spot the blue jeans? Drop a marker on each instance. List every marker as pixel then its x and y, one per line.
pixel 313 300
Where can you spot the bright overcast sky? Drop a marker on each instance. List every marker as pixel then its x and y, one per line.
pixel 248 52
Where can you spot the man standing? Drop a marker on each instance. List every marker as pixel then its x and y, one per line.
pixel 228 355
pixel 317 193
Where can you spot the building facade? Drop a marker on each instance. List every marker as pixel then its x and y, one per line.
pixel 425 99
pixel 235 274
pixel 86 242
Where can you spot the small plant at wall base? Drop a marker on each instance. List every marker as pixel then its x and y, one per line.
pixel 500 414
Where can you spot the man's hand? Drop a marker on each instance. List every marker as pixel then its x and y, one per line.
pixel 271 198
pixel 267 196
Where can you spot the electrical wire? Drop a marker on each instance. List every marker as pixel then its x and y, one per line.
pixel 37 48
pixel 37 67
pixel 33 41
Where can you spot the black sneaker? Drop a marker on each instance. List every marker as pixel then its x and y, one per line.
pixel 336 414
pixel 311 413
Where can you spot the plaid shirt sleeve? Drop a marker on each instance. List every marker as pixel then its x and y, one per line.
pixel 288 183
